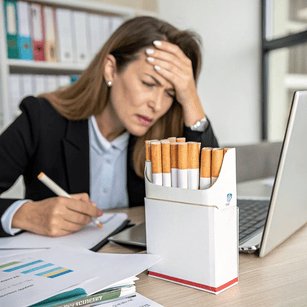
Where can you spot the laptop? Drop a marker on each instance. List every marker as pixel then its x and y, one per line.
pixel 286 210
pixel 267 221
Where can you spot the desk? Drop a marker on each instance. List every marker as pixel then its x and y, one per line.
pixel 279 279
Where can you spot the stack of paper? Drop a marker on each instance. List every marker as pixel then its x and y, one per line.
pixel 68 276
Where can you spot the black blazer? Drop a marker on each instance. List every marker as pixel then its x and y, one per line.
pixel 40 139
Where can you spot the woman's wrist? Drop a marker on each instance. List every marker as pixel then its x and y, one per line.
pixel 22 217
pixel 193 112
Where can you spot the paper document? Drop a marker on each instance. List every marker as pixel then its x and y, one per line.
pixel 31 277
pixel 17 251
pixel 88 237
pixel 136 301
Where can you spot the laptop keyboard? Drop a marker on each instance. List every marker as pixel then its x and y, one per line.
pixel 252 216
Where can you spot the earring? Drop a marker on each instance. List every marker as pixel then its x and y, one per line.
pixel 109 83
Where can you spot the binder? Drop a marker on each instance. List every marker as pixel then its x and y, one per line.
pixel 80 26
pixel 26 85
pixel 74 78
pixel 63 81
pixel 39 84
pixel 10 13
pixel 64 34
pixel 51 83
pixel 116 21
pixel 50 34
pixel 106 29
pixel 37 31
pixel 94 34
pixel 15 94
pixel 24 40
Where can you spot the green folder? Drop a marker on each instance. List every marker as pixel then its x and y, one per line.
pixel 79 297
pixel 10 14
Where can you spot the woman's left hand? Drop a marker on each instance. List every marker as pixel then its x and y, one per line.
pixel 170 62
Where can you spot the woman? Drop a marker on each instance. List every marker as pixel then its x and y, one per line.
pixel 89 137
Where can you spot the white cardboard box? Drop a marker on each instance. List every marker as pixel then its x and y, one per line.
pixel 195 231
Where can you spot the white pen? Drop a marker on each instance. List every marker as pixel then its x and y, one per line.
pixel 60 192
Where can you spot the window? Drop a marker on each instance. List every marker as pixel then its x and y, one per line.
pixel 284 61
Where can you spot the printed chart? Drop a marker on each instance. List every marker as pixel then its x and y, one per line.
pixel 37 267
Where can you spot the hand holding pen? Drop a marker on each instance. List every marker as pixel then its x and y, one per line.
pixel 56 216
pixel 60 192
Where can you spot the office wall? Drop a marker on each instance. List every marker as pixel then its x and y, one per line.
pixel 229 85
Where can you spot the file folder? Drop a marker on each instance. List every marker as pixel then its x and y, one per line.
pixel 94 34
pixel 106 29
pixel 116 21
pixel 10 13
pixel 39 84
pixel 15 94
pixel 24 40
pixel 50 34
pixel 37 31
pixel 80 26
pixel 64 35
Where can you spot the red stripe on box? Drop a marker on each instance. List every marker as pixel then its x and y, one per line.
pixel 195 284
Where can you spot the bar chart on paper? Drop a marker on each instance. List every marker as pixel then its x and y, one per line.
pixel 37 267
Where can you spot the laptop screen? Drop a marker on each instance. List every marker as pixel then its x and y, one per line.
pixel 288 207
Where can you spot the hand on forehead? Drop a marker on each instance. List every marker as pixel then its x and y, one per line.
pixel 149 69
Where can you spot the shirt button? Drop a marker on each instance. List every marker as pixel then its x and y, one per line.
pixel 108 161
pixel 105 190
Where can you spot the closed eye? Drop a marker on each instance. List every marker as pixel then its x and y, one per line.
pixel 171 94
pixel 149 84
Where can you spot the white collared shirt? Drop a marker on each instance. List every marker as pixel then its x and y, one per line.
pixel 108 168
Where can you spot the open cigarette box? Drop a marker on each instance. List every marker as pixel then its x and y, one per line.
pixel 195 231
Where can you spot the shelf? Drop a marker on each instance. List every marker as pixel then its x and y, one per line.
pixel 20 66
pixel 93 6
pixel 296 82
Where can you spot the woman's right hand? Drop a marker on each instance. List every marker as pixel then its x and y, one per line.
pixel 56 216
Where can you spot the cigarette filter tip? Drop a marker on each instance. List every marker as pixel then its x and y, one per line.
pixel 40 175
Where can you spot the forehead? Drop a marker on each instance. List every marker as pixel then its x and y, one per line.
pixel 141 68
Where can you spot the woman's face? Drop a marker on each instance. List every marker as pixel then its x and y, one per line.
pixel 139 96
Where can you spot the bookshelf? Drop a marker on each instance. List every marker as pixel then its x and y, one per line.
pixel 40 66
pixel 10 67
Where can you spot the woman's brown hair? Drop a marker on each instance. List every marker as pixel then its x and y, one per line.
pixel 90 94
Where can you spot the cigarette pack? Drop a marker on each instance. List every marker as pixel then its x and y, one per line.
pixel 195 231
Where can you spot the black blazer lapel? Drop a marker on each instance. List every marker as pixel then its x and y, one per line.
pixel 76 151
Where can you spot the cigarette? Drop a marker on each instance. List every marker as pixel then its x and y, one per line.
pixel 174 164
pixel 193 165
pixel 216 163
pixel 166 163
pixel 60 192
pixel 182 165
pixel 156 162
pixel 172 139
pixel 148 160
pixel 205 168
pixel 147 150
pixel 180 140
